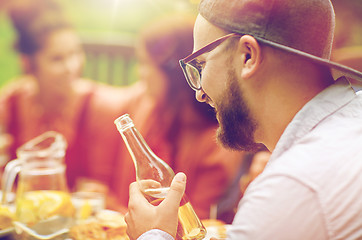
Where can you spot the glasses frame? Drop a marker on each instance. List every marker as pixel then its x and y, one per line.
pixel 184 63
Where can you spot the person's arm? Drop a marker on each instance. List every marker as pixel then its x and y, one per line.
pixel 6 139
pixel 142 216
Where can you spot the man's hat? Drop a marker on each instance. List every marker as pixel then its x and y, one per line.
pixel 300 27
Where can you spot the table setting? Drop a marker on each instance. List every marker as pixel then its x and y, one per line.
pixel 49 214
pixel 92 221
pixel 42 207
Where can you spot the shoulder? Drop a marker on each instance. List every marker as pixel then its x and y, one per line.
pixel 109 102
pixel 19 86
pixel 277 205
pixel 323 170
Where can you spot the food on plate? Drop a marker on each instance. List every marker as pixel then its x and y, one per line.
pixel 106 225
pixel 6 217
pixel 111 219
pixel 212 223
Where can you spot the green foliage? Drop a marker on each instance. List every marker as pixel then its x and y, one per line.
pixel 94 18
pixel 122 16
pixel 9 67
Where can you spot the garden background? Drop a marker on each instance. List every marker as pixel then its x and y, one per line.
pixel 122 19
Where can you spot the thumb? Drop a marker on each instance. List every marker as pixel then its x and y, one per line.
pixel 177 190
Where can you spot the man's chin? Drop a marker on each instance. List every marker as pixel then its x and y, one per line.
pixel 224 142
pixel 223 139
pixel 228 142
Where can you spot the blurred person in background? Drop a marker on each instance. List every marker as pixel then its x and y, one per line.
pixel 253 164
pixel 258 163
pixel 351 57
pixel 179 129
pixel 50 94
pixel 348 31
pixel 347 45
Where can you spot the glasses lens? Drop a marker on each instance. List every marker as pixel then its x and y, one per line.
pixel 194 76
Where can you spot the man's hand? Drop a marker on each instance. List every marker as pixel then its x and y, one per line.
pixel 142 216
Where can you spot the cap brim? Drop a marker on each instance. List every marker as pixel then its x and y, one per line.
pixel 344 70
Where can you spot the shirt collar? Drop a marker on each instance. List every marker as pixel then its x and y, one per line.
pixel 318 108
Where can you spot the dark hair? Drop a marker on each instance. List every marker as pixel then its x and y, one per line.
pixel 34 20
pixel 167 40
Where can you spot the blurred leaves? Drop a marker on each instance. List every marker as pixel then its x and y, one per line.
pixel 125 17
pixel 96 18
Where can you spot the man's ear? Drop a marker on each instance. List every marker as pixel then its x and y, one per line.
pixel 250 51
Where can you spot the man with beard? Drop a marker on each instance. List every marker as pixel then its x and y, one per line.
pixel 264 66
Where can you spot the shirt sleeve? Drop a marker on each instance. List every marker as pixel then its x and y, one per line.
pixel 279 207
pixel 155 234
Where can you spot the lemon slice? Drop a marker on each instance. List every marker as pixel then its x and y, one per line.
pixel 40 205
pixel 54 203
pixel 6 217
pixel 25 211
pixel 85 211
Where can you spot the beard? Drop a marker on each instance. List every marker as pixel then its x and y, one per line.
pixel 236 127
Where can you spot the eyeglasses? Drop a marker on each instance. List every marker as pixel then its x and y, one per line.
pixel 192 68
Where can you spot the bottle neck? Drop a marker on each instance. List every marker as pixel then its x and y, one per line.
pixel 149 168
pixel 136 145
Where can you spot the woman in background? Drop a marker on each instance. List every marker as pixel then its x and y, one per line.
pixel 180 130
pixel 49 95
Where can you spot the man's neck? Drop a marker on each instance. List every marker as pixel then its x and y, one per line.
pixel 285 95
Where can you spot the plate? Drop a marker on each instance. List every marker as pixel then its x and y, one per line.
pixel 6 231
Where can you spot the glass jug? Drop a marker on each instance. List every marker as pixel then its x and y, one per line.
pixel 43 204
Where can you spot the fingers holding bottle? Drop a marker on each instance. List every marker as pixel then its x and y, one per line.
pixel 143 216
